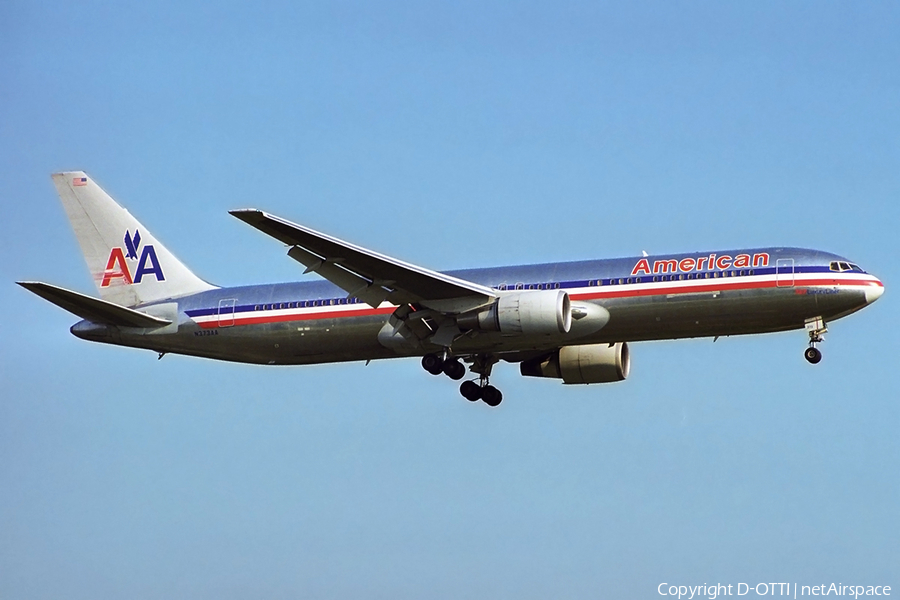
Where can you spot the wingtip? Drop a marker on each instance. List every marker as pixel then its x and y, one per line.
pixel 247 215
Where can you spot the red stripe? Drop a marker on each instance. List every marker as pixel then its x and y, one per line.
pixel 715 286
pixel 338 314
pixel 608 292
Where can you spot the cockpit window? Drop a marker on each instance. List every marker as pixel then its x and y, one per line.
pixel 844 266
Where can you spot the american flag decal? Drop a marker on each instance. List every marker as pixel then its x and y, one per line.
pixel 79 181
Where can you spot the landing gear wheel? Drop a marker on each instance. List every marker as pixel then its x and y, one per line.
pixel 454 369
pixel 491 395
pixel 813 355
pixel 432 363
pixel 470 390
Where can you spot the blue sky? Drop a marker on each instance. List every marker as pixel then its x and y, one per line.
pixel 450 135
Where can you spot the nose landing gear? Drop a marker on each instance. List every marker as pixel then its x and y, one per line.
pixel 816 329
pixel 812 354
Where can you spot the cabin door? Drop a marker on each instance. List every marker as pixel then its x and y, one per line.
pixel 226 312
pixel 784 272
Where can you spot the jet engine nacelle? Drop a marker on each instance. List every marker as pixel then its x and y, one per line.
pixel 531 312
pixel 591 363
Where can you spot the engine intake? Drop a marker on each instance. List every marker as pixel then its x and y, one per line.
pixel 532 312
pixel 591 363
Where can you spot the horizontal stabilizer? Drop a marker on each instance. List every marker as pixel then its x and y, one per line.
pixel 92 309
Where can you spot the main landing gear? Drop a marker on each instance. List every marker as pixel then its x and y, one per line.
pixel 816 329
pixel 454 369
pixel 451 367
pixel 472 392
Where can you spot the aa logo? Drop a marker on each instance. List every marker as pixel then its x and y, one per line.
pixel 119 258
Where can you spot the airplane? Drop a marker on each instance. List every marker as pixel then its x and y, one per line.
pixel 570 321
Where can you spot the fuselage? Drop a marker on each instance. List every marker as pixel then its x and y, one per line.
pixel 647 298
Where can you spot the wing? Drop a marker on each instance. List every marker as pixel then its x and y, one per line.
pixel 368 275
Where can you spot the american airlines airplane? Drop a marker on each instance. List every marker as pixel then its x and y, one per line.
pixel 570 321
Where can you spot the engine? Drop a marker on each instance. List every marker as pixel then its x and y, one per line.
pixel 592 363
pixel 532 312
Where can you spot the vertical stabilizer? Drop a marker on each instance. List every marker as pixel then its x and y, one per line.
pixel 128 264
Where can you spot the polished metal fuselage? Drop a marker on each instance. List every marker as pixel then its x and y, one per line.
pixel 312 322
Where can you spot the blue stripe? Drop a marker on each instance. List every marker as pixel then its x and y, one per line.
pixel 564 285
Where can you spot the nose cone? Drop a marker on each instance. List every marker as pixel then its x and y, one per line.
pixel 874 291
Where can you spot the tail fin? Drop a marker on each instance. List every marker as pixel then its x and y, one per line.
pixel 128 264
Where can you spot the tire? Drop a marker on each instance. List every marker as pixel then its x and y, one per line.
pixel 432 363
pixel 470 390
pixel 491 395
pixel 454 369
pixel 813 355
